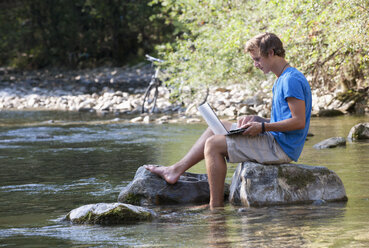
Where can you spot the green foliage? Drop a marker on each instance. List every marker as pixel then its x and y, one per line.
pixel 81 33
pixel 201 41
pixel 325 39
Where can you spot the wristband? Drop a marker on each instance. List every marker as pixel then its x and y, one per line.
pixel 262 127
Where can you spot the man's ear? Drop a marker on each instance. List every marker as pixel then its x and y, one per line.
pixel 271 52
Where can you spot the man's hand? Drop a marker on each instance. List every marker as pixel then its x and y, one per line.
pixel 252 123
pixel 253 128
pixel 242 121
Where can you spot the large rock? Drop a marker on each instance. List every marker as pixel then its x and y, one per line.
pixel 359 131
pixel 261 185
pixel 109 214
pixel 149 189
pixel 330 112
pixel 331 143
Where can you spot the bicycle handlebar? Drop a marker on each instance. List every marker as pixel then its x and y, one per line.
pixel 152 59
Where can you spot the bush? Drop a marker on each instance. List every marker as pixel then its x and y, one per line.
pixel 327 40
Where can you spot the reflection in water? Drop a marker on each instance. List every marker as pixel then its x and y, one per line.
pixel 49 167
pixel 282 226
pixel 287 226
pixel 218 235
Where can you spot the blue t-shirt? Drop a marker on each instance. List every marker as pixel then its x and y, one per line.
pixel 292 83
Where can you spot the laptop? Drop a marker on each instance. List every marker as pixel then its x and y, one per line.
pixel 214 122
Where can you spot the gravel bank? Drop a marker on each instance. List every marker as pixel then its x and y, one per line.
pixel 120 91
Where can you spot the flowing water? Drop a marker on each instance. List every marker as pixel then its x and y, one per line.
pixel 53 162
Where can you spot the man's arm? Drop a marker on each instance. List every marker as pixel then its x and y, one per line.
pixel 297 121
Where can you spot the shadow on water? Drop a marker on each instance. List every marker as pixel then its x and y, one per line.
pixel 53 162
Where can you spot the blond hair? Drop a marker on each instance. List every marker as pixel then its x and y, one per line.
pixel 263 43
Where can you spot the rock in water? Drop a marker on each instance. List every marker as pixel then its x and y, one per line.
pixel 330 112
pixel 109 214
pixel 149 189
pixel 255 184
pixel 331 143
pixel 359 131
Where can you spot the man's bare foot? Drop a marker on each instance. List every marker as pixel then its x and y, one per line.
pixel 207 207
pixel 219 209
pixel 167 173
pixel 199 207
pixel 216 205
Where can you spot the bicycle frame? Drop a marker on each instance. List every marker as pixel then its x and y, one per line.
pixel 154 84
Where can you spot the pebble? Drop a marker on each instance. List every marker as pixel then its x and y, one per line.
pixel 107 95
pixel 193 120
pixel 146 119
pixel 136 119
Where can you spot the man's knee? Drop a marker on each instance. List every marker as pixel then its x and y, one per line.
pixel 209 144
pixel 215 144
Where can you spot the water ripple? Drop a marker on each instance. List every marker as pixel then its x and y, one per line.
pixel 101 187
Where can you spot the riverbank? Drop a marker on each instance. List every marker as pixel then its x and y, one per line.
pixel 120 91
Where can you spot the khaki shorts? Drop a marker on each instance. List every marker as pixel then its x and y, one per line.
pixel 262 148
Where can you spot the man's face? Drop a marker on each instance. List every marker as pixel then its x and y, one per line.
pixel 260 62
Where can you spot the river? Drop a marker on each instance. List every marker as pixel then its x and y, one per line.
pixel 53 162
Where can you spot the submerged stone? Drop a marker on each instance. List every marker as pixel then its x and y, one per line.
pixel 331 143
pixel 330 112
pixel 255 184
pixel 359 131
pixel 318 202
pixel 149 189
pixel 109 214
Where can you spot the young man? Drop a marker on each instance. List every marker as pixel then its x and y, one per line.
pixel 277 140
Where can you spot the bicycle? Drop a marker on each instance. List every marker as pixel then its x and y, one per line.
pixel 152 91
pixel 149 96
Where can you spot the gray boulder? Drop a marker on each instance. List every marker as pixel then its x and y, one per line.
pixel 359 131
pixel 149 189
pixel 330 112
pixel 109 214
pixel 331 143
pixel 255 184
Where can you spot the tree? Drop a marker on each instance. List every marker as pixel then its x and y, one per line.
pixel 78 33
pixel 326 39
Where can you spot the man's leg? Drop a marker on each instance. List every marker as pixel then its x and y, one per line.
pixel 215 151
pixel 172 173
